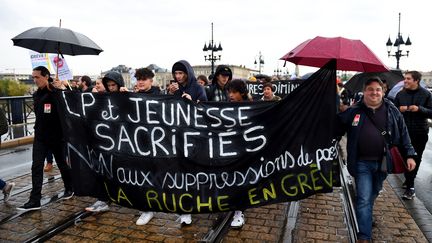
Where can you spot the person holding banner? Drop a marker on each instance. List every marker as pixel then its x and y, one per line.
pixel 48 136
pixel 113 82
pixel 366 147
pixel 185 84
pixel 99 87
pixel 144 77
pixel 217 91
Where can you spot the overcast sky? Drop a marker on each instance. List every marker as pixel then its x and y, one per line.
pixel 138 33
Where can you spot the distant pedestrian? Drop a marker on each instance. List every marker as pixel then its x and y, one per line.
pixel 85 84
pixel 217 91
pixel 49 162
pixel 202 80
pixel 367 159
pixel 48 136
pixel 415 103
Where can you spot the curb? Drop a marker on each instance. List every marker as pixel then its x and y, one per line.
pixel 16 142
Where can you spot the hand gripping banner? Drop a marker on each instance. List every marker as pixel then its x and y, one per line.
pixel 161 153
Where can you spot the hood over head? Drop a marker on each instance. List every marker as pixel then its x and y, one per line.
pixel 114 76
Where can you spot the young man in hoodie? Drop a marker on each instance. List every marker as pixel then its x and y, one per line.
pixel 185 83
pixel 113 82
pixel 217 91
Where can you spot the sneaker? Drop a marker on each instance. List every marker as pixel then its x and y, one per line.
pixel 67 195
pixel 48 167
pixel 98 206
pixel 185 219
pixel 238 219
pixel 409 194
pixel 30 205
pixel 7 190
pixel 144 218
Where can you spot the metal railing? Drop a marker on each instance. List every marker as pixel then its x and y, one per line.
pixel 20 116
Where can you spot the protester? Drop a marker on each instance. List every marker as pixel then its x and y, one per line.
pixel 48 136
pixel 99 86
pixel 238 92
pixel 415 103
pixel 74 85
pixel 85 84
pixel 144 83
pixel 217 91
pixel 268 94
pixel 144 77
pixel 113 82
pixel 202 80
pixel 366 146
pixel 185 83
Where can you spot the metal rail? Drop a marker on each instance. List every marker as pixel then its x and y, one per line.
pixel 219 229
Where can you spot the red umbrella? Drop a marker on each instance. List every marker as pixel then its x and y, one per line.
pixel 350 55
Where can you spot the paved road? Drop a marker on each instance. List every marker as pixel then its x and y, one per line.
pixel 15 161
pixel 423 183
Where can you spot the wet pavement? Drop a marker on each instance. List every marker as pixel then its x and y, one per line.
pixel 319 218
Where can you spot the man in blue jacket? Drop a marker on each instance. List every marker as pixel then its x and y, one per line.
pixel 367 159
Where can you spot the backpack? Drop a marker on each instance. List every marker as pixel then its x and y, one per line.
pixel 3 122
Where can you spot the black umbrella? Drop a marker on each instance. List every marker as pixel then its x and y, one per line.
pixel 56 40
pixel 355 84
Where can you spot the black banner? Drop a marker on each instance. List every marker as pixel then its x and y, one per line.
pixel 281 88
pixel 160 153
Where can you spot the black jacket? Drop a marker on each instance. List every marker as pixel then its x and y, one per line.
pixel 416 121
pixel 396 128
pixel 47 126
pixel 153 90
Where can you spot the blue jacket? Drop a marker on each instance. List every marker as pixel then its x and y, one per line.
pixel 192 88
pixel 396 128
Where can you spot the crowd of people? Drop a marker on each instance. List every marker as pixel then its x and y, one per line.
pixel 48 138
pixel 373 125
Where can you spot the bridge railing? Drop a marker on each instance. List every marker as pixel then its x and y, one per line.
pixel 20 115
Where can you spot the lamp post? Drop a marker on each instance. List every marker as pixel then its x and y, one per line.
pixel 277 72
pixel 399 42
pixel 210 50
pixel 260 62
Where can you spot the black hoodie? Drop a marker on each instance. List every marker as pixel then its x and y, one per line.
pixel 192 87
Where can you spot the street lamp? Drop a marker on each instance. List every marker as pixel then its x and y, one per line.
pixel 210 49
pixel 277 72
pixel 399 42
pixel 260 62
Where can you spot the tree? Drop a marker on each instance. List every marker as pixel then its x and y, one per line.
pixel 13 88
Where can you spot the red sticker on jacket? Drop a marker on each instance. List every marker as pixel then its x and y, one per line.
pixel 47 108
pixel 356 120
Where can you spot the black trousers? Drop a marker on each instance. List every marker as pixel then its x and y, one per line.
pixel 418 141
pixel 40 151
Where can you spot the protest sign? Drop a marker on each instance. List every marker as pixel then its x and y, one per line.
pixel 162 153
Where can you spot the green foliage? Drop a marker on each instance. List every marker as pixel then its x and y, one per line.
pixel 13 88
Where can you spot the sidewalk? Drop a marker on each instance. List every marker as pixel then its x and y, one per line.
pixel 321 218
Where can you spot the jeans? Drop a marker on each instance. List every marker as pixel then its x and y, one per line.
pixel 369 181
pixel 2 184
